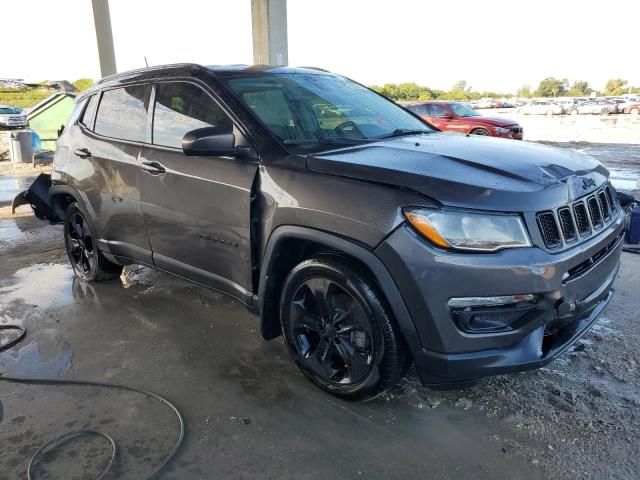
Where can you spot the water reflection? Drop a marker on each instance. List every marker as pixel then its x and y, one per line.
pixel 41 285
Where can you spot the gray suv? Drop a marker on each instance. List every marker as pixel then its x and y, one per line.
pixel 360 233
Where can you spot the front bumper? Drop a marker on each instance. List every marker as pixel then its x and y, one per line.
pixel 567 307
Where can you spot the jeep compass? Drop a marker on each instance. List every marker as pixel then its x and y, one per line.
pixel 366 238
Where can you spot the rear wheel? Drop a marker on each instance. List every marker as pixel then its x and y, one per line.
pixel 82 248
pixel 574 111
pixel 635 111
pixel 339 330
pixel 605 111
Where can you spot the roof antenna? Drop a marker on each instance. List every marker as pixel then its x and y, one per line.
pixel 145 61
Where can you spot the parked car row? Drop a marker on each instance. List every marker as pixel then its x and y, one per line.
pixel 578 106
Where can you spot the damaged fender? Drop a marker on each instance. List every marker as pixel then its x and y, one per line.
pixel 37 195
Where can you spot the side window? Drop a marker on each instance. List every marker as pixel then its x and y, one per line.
pixel 77 110
pixel 437 111
pixel 420 109
pixel 90 111
pixel 122 113
pixel 181 107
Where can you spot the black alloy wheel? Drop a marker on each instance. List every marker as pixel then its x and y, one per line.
pixel 80 245
pixel 331 332
pixel 82 248
pixel 339 330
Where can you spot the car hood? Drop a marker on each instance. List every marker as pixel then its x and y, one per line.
pixel 469 171
pixel 497 121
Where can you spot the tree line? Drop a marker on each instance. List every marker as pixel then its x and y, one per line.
pixel 548 87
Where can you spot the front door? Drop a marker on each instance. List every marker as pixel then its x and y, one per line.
pixel 109 174
pixel 196 209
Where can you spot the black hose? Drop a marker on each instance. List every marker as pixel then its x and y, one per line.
pixel 635 250
pixel 67 436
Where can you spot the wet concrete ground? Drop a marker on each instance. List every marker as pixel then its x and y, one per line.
pixel 251 414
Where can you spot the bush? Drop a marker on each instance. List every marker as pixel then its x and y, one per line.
pixel 22 98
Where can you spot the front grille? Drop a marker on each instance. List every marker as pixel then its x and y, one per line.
pixel 594 212
pixel 604 205
pixel 549 229
pixel 612 202
pixel 566 222
pixel 582 219
pixel 569 223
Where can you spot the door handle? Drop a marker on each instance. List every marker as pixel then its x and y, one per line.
pixel 82 152
pixel 154 168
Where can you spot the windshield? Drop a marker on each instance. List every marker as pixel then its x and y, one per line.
pixel 312 109
pixel 5 110
pixel 463 111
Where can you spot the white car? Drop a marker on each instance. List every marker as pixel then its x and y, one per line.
pixel 541 107
pixel 11 117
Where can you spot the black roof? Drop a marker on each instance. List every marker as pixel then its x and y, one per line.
pixel 192 69
pixel 218 70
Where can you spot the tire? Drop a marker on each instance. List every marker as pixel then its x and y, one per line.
pixel 549 113
pixel 348 343
pixel 635 111
pixel 81 244
pixel 574 111
pixel 481 131
pixel 605 112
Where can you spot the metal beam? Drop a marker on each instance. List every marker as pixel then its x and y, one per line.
pixel 102 21
pixel 269 27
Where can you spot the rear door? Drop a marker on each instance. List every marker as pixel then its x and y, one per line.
pixel 197 209
pixel 106 169
pixel 438 116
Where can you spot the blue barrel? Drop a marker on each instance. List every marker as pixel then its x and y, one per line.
pixel 633 235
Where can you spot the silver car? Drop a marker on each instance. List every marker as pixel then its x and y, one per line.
pixel 594 107
pixel 11 117
pixel 541 107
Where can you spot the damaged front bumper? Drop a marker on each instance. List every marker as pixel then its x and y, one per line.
pixel 38 197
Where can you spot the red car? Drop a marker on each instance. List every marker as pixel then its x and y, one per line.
pixel 457 117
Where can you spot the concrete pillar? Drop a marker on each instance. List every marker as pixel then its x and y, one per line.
pixel 102 21
pixel 269 26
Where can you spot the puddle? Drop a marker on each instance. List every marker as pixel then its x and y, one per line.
pixel 34 362
pixel 11 186
pixel 9 231
pixel 41 285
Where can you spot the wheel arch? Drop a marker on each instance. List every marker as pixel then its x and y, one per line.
pixel 289 245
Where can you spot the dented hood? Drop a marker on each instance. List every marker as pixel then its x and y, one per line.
pixel 472 172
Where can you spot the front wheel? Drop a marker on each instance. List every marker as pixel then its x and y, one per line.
pixel 635 111
pixel 339 331
pixel 82 248
pixel 574 112
pixel 481 131
pixel 605 111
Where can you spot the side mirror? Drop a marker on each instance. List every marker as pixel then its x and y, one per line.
pixel 209 141
pixel 447 115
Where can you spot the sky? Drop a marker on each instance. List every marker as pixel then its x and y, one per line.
pixel 493 45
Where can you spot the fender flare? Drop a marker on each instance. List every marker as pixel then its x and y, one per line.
pixel 367 257
pixel 85 206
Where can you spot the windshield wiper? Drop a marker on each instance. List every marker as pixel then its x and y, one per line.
pixel 400 132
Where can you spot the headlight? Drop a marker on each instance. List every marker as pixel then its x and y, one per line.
pixel 461 230
pixel 501 130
